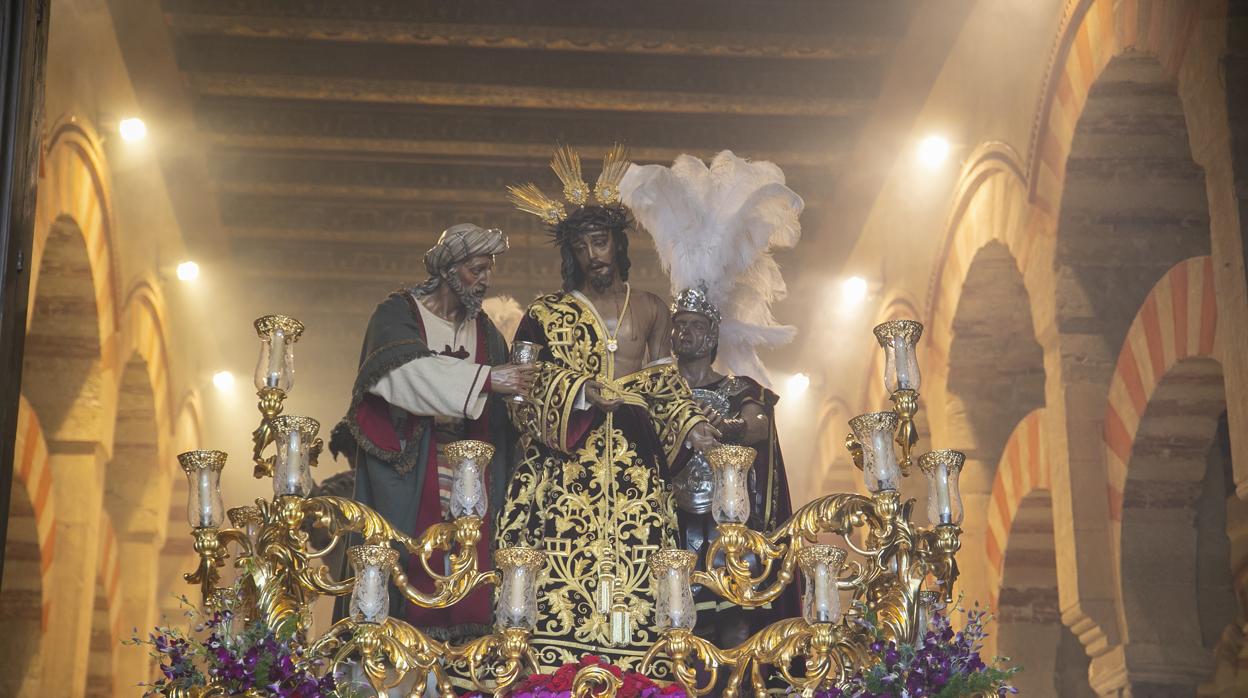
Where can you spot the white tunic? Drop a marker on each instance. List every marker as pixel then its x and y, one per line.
pixel 439 385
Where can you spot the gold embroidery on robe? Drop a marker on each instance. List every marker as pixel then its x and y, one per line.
pixel 598 507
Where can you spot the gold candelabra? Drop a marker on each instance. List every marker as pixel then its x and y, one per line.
pixel 890 568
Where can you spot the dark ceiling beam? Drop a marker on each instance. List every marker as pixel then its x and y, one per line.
pixel 671 76
pixel 493 96
pixel 801 17
pixel 668 42
pixel 415 127
pixel 522 152
pixel 242 169
pixel 346 261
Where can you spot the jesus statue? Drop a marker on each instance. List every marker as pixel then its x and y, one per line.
pixel 608 420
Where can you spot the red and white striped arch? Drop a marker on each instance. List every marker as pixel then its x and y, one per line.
pixel 1023 469
pixel 1105 29
pixel 30 467
pixel 1177 320
pixel 75 188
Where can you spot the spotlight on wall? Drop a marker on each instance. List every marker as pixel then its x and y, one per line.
pixel 933 151
pixel 796 385
pixel 853 291
pixel 223 381
pixel 132 129
pixel 188 271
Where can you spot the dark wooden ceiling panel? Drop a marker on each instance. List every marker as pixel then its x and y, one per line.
pixel 343 135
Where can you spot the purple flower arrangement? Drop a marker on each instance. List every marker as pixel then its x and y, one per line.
pixel 942 664
pixel 256 661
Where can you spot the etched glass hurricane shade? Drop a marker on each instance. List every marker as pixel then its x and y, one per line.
pixel 295 436
pixel 204 506
pixel 276 365
pixel 519 570
pixel 944 499
pixel 820 564
pixel 901 362
pixel 370 597
pixel 875 431
pixel 468 460
pixel 673 595
pixel 730 497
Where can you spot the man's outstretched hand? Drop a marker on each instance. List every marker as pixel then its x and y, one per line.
pixel 512 379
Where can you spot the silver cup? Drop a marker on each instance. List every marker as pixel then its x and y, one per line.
pixel 523 352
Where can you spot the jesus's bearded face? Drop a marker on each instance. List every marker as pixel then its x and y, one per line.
pixel 595 255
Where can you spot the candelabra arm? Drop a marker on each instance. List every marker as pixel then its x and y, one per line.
pixel 823 645
pixel 838 514
pixel 211 546
pixel 906 405
pixel 511 646
pixel 270 405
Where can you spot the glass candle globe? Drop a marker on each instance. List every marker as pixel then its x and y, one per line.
pixel 519 568
pixel 820 565
pixel 901 362
pixel 276 365
pixel 294 436
pixel 246 519
pixel 730 496
pixel 670 568
pixel 469 460
pixel 204 507
pixel 875 431
pixel 370 597
pixel 944 500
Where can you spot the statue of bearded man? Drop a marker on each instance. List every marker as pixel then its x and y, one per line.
pixel 432 371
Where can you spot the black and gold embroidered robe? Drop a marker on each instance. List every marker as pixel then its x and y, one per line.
pixel 590 488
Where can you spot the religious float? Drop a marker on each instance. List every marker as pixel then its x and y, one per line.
pixel 891 638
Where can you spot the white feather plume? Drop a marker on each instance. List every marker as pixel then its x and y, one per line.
pixel 716 226
pixel 506 314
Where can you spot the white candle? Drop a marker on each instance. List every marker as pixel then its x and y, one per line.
pixel 207 513
pixel 294 457
pixel 277 352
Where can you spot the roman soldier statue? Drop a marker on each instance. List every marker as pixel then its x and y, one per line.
pixel 714 228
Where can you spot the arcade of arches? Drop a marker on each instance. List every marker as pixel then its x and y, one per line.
pixel 1079 266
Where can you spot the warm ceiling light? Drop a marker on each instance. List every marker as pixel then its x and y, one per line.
pixel 223 380
pixel 132 129
pixel 188 271
pixel 796 385
pixel 933 151
pixel 853 291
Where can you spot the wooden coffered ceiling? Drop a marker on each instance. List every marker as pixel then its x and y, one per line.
pixel 343 136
